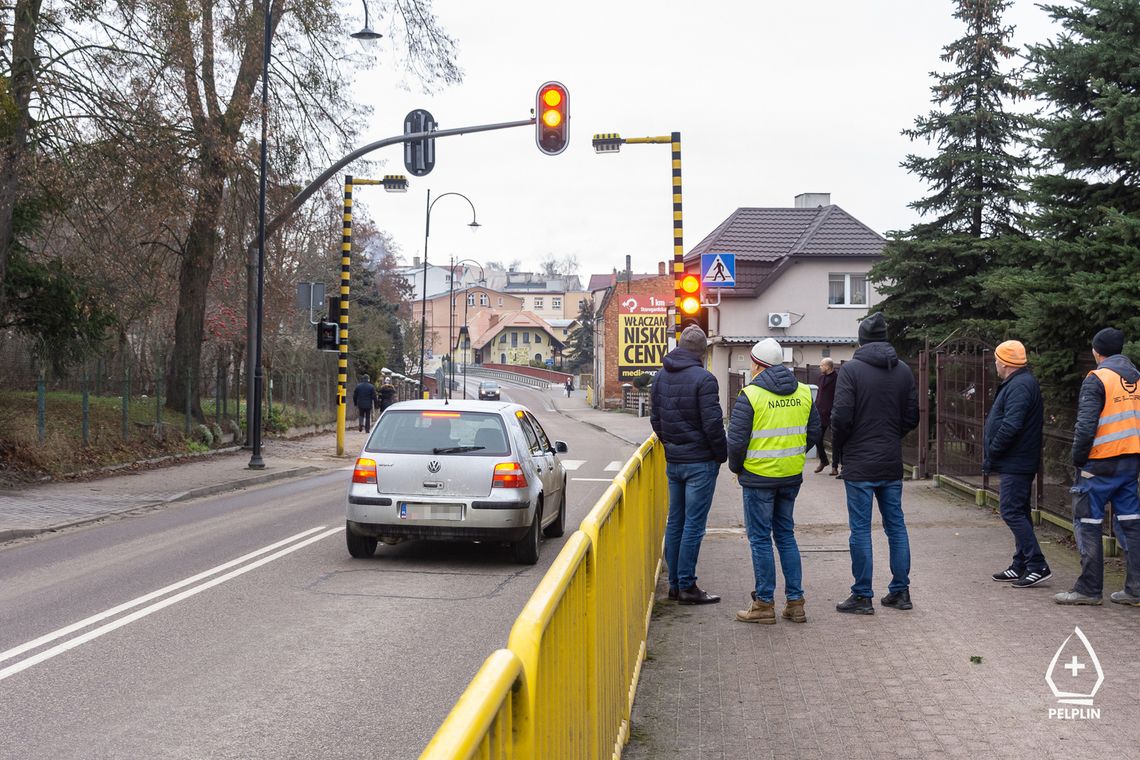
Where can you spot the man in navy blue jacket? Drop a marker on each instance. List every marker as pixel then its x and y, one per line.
pixel 1013 450
pixel 875 406
pixel 686 415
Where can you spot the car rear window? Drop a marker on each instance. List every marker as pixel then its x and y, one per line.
pixel 416 431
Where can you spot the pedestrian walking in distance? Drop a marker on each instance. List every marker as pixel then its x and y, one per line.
pixel 686 415
pixel 824 399
pixel 1012 437
pixel 569 386
pixel 875 406
pixel 364 398
pixel 387 393
pixel 1106 453
pixel 772 426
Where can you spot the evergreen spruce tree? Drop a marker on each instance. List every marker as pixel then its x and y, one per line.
pixel 1085 271
pixel 580 346
pixel 931 275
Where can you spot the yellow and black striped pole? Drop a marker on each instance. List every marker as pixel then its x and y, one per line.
pixel 342 343
pixel 678 237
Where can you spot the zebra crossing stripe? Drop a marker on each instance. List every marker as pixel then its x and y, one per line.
pixel 573 464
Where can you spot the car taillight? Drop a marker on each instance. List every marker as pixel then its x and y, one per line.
pixel 365 471
pixel 508 475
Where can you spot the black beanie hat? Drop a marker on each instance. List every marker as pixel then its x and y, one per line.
pixel 1108 342
pixel 873 328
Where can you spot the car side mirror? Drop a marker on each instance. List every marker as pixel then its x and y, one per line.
pixel 560 447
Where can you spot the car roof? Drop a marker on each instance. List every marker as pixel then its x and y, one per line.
pixel 457 405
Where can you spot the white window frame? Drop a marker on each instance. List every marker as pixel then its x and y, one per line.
pixel 539 304
pixel 556 303
pixel 847 290
pixel 483 300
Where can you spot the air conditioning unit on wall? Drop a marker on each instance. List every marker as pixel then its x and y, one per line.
pixel 779 319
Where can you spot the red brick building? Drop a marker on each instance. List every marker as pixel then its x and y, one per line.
pixel 613 354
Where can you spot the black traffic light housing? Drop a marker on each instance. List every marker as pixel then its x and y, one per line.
pixel 328 336
pixel 552 118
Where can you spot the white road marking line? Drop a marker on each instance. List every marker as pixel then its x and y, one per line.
pixel 613 466
pixel 7 655
pixel 573 464
pixel 594 480
pixel 145 611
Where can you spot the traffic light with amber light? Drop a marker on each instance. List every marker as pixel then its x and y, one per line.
pixel 552 123
pixel 692 313
pixel 328 338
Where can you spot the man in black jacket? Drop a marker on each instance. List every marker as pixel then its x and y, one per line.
pixel 364 398
pixel 685 414
pixel 875 406
pixel 824 400
pixel 1013 450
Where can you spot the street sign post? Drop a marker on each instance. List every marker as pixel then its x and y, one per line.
pixel 718 270
pixel 419 155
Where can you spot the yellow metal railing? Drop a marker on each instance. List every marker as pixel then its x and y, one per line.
pixel 564 686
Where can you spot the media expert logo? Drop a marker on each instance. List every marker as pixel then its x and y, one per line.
pixel 1083 666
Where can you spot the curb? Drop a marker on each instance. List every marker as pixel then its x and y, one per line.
pixel 12 534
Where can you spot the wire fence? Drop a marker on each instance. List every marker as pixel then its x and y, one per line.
pixel 123 395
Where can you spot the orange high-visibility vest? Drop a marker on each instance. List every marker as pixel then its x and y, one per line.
pixel 1118 432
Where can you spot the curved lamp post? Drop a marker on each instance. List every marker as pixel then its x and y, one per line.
pixel 253 400
pixel 451 306
pixel 474 225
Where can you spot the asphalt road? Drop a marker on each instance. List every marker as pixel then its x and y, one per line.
pixel 238 626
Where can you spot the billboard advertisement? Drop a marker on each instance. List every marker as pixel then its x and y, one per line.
pixel 642 337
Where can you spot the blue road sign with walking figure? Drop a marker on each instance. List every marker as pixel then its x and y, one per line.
pixel 718 270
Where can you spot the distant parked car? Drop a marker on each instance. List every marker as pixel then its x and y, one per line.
pixel 489 390
pixel 462 470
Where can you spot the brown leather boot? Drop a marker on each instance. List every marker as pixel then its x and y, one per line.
pixel 794 611
pixel 758 612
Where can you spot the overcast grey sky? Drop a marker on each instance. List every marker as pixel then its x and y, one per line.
pixel 771 100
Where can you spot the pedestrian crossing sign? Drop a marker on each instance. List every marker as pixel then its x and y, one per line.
pixel 718 270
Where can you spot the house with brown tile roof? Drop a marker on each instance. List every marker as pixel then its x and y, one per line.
pixel 801 278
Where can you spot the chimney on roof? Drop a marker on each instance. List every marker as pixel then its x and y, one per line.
pixel 660 268
pixel 813 200
pixel 415 261
pixel 494 319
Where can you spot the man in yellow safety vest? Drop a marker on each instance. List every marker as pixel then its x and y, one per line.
pixel 1106 453
pixel 774 423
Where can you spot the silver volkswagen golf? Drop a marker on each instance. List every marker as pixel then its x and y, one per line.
pixel 464 470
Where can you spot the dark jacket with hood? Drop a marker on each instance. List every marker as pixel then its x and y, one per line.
pixel 387 395
pixel 779 380
pixel 875 406
pixel 1089 407
pixel 364 395
pixel 1014 426
pixel 685 410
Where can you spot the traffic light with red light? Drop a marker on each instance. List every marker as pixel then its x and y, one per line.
pixel 552 123
pixel 692 313
pixel 328 336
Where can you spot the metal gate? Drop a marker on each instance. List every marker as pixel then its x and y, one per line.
pixel 965 384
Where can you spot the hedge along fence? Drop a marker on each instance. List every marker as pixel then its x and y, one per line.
pixel 564 685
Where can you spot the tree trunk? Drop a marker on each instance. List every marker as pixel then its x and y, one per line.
pixel 17 122
pixel 193 289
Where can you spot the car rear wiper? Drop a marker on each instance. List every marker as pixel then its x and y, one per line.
pixel 456 449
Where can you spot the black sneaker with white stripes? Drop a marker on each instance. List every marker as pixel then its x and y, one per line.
pixel 1009 574
pixel 1034 578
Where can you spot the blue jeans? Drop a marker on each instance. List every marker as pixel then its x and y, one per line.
pixel 691 486
pixel 768 511
pixel 888 493
pixel 1014 507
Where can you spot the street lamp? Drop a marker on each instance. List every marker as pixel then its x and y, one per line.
pixel 451 346
pixel 253 415
pixel 366 33
pixel 474 225
pixel 611 142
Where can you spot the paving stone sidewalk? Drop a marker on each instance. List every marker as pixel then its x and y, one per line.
pixel 895 684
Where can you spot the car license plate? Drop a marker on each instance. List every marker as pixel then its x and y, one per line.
pixel 416 511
